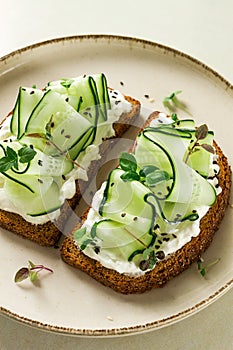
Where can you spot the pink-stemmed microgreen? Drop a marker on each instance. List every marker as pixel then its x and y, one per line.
pixel 31 272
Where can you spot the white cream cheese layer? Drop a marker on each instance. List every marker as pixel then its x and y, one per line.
pixel 118 106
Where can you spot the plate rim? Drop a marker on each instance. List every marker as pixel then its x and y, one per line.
pixel 161 323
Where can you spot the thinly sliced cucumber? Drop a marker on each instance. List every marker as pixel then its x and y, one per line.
pixel 197 189
pixel 27 100
pixel 120 240
pixel 124 202
pixel 200 159
pixel 34 184
pixel 40 203
pixel 14 118
pixel 45 165
pixel 87 94
pixel 66 125
pixel 41 164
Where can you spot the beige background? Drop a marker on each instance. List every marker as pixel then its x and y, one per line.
pixel 200 28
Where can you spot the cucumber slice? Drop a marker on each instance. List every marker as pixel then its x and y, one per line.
pixel 27 99
pixel 129 209
pixel 197 189
pixel 41 203
pixel 67 125
pixel 87 94
pixel 33 184
pixel 14 118
pixel 45 165
pixel 121 241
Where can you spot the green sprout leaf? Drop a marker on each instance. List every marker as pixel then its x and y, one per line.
pixel 26 154
pixel 130 176
pixel 128 162
pixel 79 233
pixel 67 83
pixel 204 268
pixel 147 169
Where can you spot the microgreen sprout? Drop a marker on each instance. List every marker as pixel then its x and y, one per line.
pixel 204 268
pixel 148 175
pixel 173 103
pixel 12 158
pixel 31 272
pixel 200 134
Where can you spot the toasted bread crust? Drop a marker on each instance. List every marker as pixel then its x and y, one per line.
pixel 165 269
pixel 49 233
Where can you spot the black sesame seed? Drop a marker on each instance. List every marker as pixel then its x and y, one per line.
pixel 85 113
pixel 32 92
pixel 67 99
pixel 63 176
pixel 156 226
pixel 217 186
pixel 123 214
pixel 166 239
pixel 40 181
pixel 121 82
pixel 175 236
pixel 178 123
pixel 135 218
pixel 160 254
pixel 23 89
pixel 157 246
pixel 194 211
pixel 163 234
pixel 112 184
pixel 146 96
pixel 62 131
pixel 215 162
pixel 90 115
pixel 52 125
pixel 31 146
pixel 97 250
pixel 67 136
pixel 159 193
pixel 40 163
pixel 159 241
pixel 5 140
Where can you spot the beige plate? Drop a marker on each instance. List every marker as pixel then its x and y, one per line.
pixel 68 301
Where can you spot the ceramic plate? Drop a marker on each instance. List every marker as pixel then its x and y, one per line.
pixel 68 301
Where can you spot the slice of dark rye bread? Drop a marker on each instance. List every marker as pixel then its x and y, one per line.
pixel 49 233
pixel 165 269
